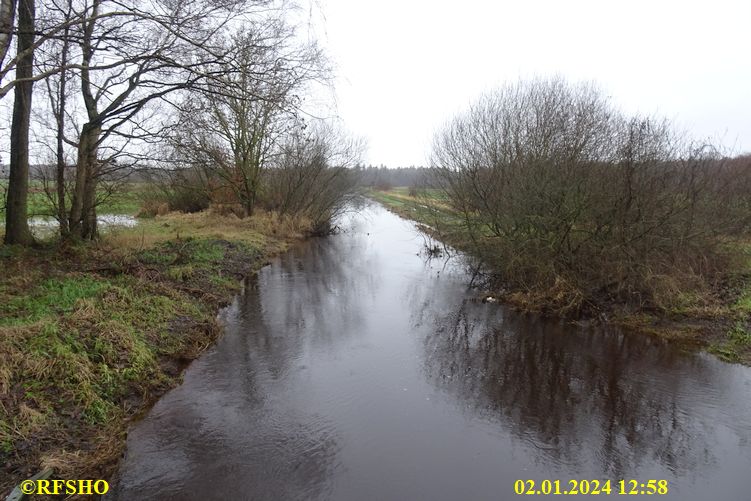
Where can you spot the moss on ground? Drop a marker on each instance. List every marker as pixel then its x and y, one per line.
pixel 90 336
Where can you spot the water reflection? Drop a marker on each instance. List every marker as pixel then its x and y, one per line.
pixel 577 396
pixel 354 368
pixel 202 441
pixel 292 304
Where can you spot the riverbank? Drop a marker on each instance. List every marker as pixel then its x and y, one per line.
pixel 91 336
pixel 718 320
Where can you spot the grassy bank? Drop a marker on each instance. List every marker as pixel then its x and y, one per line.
pixel 90 336
pixel 718 320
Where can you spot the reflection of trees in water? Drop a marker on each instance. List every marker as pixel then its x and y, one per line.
pixel 197 435
pixel 573 393
pixel 313 296
pixel 218 426
pixel 219 421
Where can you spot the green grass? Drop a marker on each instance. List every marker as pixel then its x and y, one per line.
pixel 190 259
pixel 743 303
pixel 125 201
pixel 79 342
pixel 428 207
pixel 52 297
pixel 736 347
pixel 89 334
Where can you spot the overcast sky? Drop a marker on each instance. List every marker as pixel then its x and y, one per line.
pixel 406 66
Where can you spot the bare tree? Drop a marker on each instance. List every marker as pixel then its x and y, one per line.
pixel 134 54
pixel 50 25
pixel 313 176
pixel 16 217
pixel 58 96
pixel 133 62
pixel 7 16
pixel 235 133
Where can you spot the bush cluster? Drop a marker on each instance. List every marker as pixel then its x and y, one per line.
pixel 561 192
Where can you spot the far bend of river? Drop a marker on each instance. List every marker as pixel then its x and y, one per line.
pixel 352 368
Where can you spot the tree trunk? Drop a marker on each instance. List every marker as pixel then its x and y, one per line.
pixel 88 225
pixel 61 209
pixel 82 208
pixel 60 119
pixel 16 216
pixel 7 14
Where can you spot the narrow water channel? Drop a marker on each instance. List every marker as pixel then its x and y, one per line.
pixel 354 368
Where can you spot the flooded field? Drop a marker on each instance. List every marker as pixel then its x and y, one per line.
pixel 46 226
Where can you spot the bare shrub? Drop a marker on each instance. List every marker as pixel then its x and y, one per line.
pixel 183 190
pixel 312 176
pixel 560 191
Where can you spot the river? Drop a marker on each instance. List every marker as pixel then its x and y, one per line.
pixel 354 367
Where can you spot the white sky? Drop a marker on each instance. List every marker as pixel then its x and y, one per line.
pixel 406 66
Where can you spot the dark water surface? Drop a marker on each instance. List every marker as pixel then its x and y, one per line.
pixel 353 368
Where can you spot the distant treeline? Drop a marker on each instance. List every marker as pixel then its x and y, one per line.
pixel 382 177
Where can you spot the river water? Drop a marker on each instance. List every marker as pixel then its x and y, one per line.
pixel 353 367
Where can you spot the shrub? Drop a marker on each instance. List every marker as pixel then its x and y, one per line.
pixel 183 190
pixel 311 178
pixel 558 187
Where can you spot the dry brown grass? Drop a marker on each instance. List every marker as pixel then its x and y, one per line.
pixel 262 229
pixel 152 208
